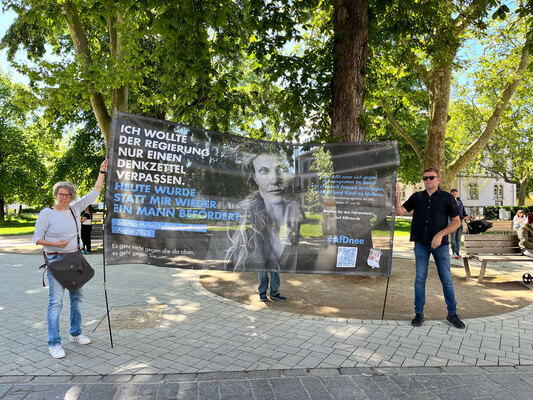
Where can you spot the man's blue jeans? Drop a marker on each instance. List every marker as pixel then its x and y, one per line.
pixel 455 240
pixel 441 255
pixel 263 282
pixel 55 305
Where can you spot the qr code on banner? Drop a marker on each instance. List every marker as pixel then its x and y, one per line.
pixel 346 257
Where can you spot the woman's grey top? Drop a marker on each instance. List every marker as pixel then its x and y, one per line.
pixel 56 225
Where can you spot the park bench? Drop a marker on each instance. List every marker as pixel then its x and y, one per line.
pixel 501 226
pixel 492 248
pixel 497 226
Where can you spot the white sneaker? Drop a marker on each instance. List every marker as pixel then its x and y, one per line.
pixel 80 339
pixel 56 351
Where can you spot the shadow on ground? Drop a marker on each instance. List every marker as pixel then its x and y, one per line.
pixel 362 297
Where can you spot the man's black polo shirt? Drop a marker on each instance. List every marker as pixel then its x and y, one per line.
pixel 431 214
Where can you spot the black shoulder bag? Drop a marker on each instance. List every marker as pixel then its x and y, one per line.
pixel 72 271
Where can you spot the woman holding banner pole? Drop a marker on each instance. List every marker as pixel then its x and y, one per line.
pixel 268 235
pixel 56 230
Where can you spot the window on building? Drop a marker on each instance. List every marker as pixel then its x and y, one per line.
pixel 498 191
pixel 473 191
pixel 402 194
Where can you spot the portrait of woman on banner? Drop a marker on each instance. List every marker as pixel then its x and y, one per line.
pixel 269 231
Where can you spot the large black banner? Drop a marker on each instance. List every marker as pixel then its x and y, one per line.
pixel 186 197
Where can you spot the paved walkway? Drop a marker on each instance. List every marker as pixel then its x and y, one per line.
pixel 206 346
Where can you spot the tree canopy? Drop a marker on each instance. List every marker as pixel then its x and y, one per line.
pixel 21 162
pixel 267 69
pixel 295 70
pixel 412 69
pixel 509 153
pixel 182 61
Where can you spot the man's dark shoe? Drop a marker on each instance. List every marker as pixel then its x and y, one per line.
pixel 263 297
pixel 455 321
pixel 418 319
pixel 277 297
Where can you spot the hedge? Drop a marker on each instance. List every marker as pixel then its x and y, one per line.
pixel 492 212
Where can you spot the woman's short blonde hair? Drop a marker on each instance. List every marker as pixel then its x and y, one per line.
pixel 68 186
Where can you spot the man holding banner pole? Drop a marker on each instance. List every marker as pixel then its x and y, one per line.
pixel 432 209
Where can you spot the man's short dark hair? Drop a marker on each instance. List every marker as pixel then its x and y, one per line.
pixel 454 191
pixel 431 170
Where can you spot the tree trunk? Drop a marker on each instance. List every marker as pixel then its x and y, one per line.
pixel 439 101
pixel 2 209
pixel 522 192
pixel 82 49
pixel 350 26
pixel 120 95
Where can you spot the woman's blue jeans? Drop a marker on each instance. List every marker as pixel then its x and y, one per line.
pixel 55 305
pixel 263 282
pixel 441 255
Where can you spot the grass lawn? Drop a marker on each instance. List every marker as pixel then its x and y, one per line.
pixel 25 224
pixel 18 225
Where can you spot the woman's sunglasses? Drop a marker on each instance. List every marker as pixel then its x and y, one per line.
pixel 429 177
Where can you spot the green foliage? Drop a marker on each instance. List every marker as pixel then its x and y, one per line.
pixel 80 163
pixel 21 160
pixel 293 44
pixel 415 49
pixel 509 154
pixel 323 166
pixel 312 200
pixel 492 212
pixel 184 61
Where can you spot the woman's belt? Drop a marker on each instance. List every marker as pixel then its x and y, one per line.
pixel 57 254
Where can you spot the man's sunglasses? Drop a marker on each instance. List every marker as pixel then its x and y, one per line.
pixel 429 177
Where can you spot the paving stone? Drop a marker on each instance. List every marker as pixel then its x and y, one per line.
pixel 116 378
pixel 235 389
pixel 294 372
pixel 220 376
pixel 188 391
pixel 208 390
pixel 288 389
pixel 246 340
pixel 167 391
pixel 261 389
pixel 263 374
pixel 315 388
pixel 122 393
pixel 4 388
pixel 343 387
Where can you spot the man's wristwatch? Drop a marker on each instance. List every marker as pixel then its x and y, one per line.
pixel 102 172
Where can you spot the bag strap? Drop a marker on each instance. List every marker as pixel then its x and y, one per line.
pixel 77 232
pixel 44 266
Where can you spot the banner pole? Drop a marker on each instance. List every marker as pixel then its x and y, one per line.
pixel 385 301
pixel 105 280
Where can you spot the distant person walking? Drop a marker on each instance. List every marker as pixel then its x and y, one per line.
pixel 455 236
pixel 432 209
pixel 87 228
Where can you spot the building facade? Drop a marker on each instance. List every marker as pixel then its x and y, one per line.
pixel 476 192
